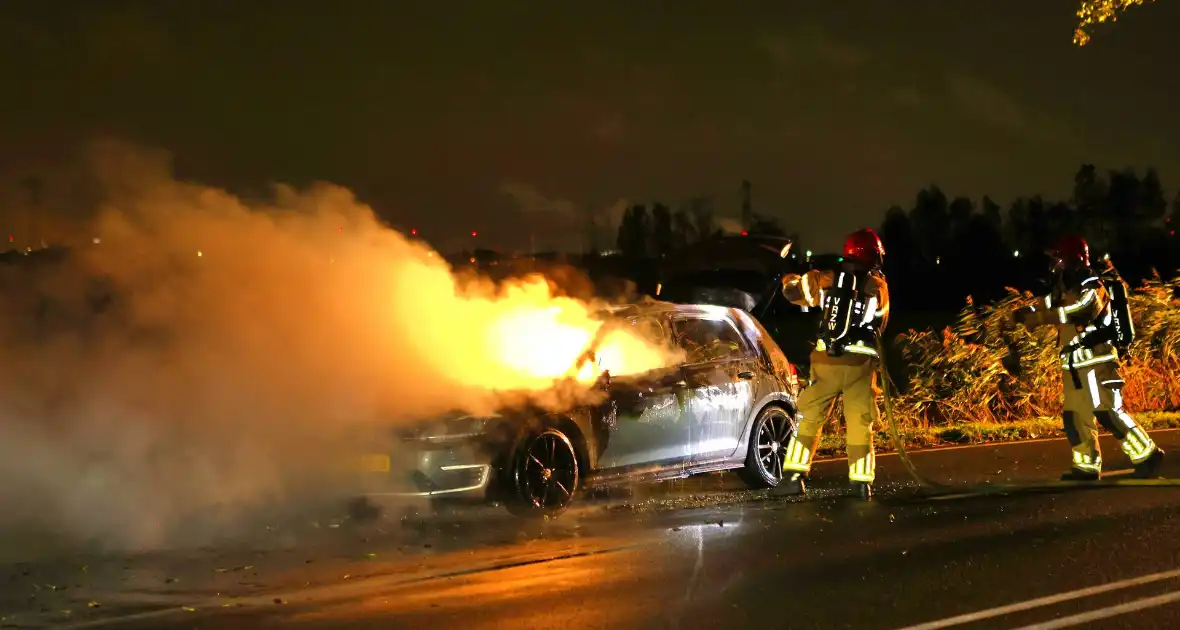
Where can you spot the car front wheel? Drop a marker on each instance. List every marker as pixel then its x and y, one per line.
pixel 544 474
pixel 768 444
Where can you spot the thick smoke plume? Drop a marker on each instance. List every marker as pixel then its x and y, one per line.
pixel 239 348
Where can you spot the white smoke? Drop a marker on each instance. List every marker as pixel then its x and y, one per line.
pixel 248 347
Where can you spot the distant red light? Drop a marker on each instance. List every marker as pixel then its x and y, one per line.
pixel 474 233
pixel 10 238
pixel 1171 232
pixel 745 233
pixel 414 232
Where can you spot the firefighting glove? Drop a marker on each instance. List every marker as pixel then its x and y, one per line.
pixel 791 289
pixel 1070 348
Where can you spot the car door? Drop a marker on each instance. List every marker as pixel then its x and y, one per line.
pixel 649 427
pixel 720 375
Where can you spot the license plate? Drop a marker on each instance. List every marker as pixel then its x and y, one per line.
pixel 374 463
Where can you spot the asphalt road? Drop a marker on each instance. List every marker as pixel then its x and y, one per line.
pixel 692 555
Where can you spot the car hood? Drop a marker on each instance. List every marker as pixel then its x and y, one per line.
pixel 451 425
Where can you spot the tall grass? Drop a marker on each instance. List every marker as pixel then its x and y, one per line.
pixel 968 373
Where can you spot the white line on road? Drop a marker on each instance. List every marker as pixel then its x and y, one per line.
pixel 1134 605
pixel 1048 600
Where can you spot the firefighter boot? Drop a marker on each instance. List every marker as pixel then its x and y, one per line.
pixel 1150 467
pixel 793 484
pixel 862 490
pixel 1075 474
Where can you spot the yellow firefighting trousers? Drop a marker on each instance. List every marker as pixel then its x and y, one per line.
pixel 1099 401
pixel 858 384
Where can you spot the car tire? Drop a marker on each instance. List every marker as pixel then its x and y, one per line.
pixel 544 474
pixel 769 434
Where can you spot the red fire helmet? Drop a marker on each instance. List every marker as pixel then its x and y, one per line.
pixel 865 247
pixel 1072 250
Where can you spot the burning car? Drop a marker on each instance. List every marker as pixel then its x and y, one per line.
pixel 730 405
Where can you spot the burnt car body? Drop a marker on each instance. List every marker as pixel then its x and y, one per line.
pixel 730 405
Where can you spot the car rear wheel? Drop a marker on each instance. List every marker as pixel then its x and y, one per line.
pixel 768 443
pixel 544 474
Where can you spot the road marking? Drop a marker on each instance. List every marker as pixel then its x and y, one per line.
pixel 1048 600
pixel 1134 605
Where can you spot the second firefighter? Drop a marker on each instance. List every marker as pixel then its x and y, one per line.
pixel 1088 307
pixel 855 308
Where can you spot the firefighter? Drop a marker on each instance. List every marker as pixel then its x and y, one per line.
pixel 855 308
pixel 1090 326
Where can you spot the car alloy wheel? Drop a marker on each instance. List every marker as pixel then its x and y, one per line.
pixel 546 473
pixel 773 434
pixel 768 448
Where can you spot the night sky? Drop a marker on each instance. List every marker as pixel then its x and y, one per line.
pixel 497 115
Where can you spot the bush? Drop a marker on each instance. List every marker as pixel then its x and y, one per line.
pixel 963 374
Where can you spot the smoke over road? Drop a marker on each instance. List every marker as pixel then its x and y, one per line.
pixel 245 345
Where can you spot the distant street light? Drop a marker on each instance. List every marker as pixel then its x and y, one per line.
pixel 1016 254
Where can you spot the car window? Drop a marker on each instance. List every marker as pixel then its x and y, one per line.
pixel 709 339
pixel 653 330
pixel 650 329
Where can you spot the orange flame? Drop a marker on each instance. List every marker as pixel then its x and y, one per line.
pixel 520 337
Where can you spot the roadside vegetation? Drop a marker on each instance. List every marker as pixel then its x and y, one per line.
pixel 984 380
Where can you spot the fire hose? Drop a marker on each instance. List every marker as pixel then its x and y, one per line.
pixel 941 491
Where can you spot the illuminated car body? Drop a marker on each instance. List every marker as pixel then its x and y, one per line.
pixel 695 417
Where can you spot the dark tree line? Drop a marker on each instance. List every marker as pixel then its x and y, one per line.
pixel 942 249
pixel 654 231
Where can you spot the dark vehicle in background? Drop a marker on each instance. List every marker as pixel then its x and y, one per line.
pixel 743 272
pixel 729 405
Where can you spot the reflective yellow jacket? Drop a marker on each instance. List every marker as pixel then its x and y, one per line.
pixel 1082 309
pixel 811 288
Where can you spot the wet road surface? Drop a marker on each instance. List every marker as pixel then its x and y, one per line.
pixel 693 555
